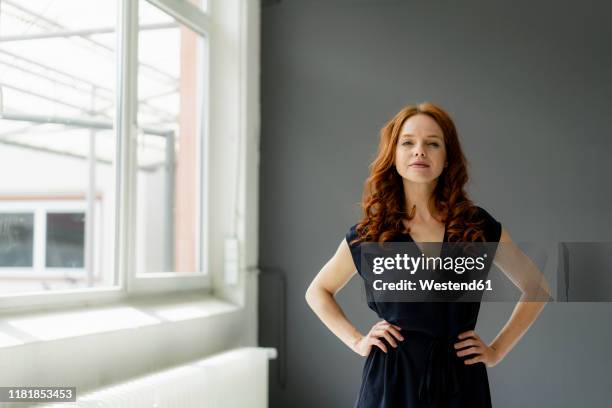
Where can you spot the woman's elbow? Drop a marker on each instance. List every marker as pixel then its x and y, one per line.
pixel 310 295
pixel 313 295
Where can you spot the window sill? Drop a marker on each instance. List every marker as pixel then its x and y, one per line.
pixel 92 346
pixel 23 328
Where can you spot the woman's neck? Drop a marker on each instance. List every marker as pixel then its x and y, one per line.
pixel 417 196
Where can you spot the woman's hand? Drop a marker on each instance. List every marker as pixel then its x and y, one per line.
pixel 472 344
pixel 381 329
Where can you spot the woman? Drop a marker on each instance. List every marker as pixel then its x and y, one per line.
pixel 422 354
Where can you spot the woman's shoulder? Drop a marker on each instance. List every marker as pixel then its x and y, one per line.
pixel 492 227
pixel 355 247
pixel 352 235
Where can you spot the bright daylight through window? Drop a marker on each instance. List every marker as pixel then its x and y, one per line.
pixel 59 145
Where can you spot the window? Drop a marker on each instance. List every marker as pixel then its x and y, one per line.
pixel 16 240
pixel 58 78
pixel 42 246
pixel 171 62
pixel 115 202
pixel 65 240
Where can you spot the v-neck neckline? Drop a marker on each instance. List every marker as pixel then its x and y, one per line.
pixel 444 237
pixel 444 240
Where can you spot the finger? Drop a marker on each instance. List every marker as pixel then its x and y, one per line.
pixel 474 360
pixel 378 333
pixel 382 333
pixel 395 333
pixel 466 343
pixel 475 335
pixel 468 351
pixel 379 344
pixel 394 325
pixel 380 324
pixel 390 339
pixel 469 333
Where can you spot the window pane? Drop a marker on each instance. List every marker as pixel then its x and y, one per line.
pixel 65 240
pixel 58 73
pixel 169 87
pixel 16 240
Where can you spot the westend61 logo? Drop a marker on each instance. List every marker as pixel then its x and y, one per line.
pixel 411 264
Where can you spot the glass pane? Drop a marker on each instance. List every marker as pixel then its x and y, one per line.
pixel 65 240
pixel 16 240
pixel 58 73
pixel 169 88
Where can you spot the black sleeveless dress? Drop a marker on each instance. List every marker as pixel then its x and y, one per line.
pixel 424 370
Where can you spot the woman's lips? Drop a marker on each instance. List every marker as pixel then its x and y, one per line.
pixel 419 166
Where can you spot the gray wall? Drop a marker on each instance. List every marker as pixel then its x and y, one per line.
pixel 528 84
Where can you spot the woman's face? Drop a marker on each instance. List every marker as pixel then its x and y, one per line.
pixel 420 154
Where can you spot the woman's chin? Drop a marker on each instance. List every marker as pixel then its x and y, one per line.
pixel 416 178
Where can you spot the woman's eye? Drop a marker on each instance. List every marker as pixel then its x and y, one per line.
pixel 409 143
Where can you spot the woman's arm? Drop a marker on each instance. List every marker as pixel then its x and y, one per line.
pixel 527 277
pixel 320 297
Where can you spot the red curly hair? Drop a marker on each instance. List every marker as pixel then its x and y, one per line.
pixel 383 202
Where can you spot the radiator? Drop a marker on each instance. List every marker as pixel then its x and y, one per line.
pixel 236 378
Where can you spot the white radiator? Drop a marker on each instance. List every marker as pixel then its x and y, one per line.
pixel 236 378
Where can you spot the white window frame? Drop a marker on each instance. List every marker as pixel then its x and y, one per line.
pixel 156 282
pixel 128 284
pixel 39 209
